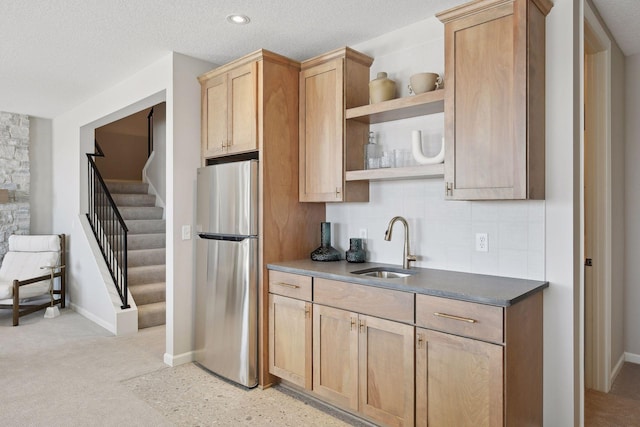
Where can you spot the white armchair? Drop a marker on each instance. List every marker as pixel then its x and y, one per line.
pixel 22 277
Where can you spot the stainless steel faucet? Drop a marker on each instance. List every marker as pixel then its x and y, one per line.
pixel 406 256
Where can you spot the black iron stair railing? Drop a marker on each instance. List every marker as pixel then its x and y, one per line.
pixel 150 133
pixel 108 227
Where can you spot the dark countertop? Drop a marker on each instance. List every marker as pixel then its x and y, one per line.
pixel 480 288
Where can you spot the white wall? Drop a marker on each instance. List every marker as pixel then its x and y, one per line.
pixel 183 160
pixel 156 167
pixel 563 379
pixel 632 209
pixel 72 138
pixel 41 172
pixel 618 202
pixel 172 78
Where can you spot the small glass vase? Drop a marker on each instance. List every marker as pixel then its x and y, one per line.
pixel 356 252
pixel 325 252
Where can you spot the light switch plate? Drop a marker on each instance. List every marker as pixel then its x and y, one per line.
pixel 482 242
pixel 186 232
pixel 363 233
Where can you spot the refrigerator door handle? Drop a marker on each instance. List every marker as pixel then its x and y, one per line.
pixel 231 238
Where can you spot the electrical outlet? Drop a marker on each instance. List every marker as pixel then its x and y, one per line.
pixel 186 232
pixel 363 233
pixel 482 242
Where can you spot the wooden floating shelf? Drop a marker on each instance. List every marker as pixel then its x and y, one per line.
pixel 409 172
pixel 399 108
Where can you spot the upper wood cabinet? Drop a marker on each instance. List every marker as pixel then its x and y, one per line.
pixel 330 145
pixel 495 99
pixel 229 110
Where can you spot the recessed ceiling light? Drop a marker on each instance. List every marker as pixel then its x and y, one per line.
pixel 236 18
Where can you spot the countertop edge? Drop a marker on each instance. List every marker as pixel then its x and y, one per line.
pixel 387 284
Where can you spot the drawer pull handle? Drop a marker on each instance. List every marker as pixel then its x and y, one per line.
pixel 450 316
pixel 287 285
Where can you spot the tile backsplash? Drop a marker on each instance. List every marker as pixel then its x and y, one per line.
pixel 442 232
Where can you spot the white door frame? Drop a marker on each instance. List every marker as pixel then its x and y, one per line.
pixel 597 302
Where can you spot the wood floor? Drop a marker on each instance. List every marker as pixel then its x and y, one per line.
pixel 619 407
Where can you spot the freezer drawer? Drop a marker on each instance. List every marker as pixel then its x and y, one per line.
pixel 226 308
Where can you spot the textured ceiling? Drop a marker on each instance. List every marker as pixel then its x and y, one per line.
pixel 55 54
pixel 622 17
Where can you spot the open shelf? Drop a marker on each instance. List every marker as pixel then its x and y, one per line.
pixel 409 172
pixel 399 108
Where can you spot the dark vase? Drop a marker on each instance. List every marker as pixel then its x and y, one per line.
pixel 325 252
pixel 356 252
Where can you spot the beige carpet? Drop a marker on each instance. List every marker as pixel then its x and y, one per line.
pixel 621 406
pixel 68 371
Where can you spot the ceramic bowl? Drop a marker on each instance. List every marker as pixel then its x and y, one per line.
pixel 424 82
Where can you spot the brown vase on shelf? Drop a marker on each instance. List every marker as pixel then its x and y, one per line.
pixel 382 88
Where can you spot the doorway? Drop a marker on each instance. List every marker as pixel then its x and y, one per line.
pixel 597 205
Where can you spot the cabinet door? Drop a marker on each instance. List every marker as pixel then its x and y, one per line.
pixel 290 340
pixel 485 106
pixel 459 381
pixel 322 132
pixel 214 117
pixel 243 105
pixel 386 371
pixel 335 356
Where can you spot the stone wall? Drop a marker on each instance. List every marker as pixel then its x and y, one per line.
pixel 14 176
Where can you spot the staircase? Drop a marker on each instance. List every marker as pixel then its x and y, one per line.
pixel 146 249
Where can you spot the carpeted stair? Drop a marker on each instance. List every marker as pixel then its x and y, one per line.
pixel 146 249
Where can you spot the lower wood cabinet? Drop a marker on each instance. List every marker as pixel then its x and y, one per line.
pixel 459 381
pixel 385 366
pixel 335 356
pixel 458 364
pixel 290 339
pixel 364 364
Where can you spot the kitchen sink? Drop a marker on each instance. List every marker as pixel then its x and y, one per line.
pixel 384 272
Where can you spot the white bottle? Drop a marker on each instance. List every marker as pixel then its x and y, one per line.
pixel 371 153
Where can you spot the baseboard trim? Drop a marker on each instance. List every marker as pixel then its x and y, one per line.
pixel 617 368
pixel 95 319
pixel 631 357
pixel 179 359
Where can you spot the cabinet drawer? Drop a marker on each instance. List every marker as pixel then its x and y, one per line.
pixel 385 303
pixel 484 322
pixel 290 285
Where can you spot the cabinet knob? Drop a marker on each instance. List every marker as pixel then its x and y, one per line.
pixel 338 191
pixel 362 326
pixel 353 323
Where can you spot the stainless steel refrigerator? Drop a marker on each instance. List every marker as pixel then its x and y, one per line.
pixel 226 338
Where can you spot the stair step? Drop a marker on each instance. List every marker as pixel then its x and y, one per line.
pixel 152 314
pixel 145 241
pixel 148 293
pixel 146 274
pixel 129 199
pixel 142 226
pixel 141 212
pixel 140 257
pixel 137 187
